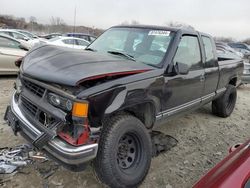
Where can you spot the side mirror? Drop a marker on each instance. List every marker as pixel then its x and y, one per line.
pixel 23 47
pixel 18 62
pixel 181 68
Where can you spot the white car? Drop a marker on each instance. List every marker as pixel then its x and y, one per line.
pixel 240 47
pixel 20 36
pixel 69 42
pixel 10 51
pixel 35 39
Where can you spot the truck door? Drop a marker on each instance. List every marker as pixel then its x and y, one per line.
pixel 211 69
pixel 183 91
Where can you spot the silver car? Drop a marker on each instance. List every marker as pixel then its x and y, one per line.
pixel 10 50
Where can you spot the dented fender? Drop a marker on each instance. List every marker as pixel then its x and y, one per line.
pixel 122 97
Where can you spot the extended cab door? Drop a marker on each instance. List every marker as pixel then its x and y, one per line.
pixel 184 91
pixel 211 69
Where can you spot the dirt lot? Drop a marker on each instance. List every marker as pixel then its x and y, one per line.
pixel 204 140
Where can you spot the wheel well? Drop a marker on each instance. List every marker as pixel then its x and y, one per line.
pixel 233 81
pixel 144 112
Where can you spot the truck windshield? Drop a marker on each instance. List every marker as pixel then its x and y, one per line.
pixel 148 46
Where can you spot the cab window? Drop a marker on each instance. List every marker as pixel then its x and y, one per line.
pixel 210 56
pixel 188 52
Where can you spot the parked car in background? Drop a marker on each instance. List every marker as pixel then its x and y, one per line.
pixel 240 47
pixel 10 51
pixel 225 46
pixel 15 34
pixel 27 33
pixel 226 53
pixel 19 36
pixel 70 42
pixel 231 172
pixel 35 39
pixel 50 36
pixel 84 36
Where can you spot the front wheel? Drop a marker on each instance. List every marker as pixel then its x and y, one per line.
pixel 124 153
pixel 224 105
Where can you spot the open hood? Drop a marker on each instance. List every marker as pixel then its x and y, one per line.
pixel 72 67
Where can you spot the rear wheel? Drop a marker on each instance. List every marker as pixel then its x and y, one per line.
pixel 124 153
pixel 224 105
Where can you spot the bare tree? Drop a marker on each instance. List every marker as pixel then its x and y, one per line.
pixel 57 25
pixel 33 19
pixel 179 25
pixel 32 22
pixel 125 23
pixel 133 22
pixel 56 21
pixel 247 41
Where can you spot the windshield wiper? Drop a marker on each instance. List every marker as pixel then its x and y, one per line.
pixel 90 49
pixel 122 54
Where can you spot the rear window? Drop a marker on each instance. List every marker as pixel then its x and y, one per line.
pixel 235 45
pixel 69 41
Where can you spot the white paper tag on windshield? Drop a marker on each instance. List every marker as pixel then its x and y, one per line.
pixel 159 33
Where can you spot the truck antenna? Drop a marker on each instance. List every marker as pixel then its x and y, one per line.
pixel 74 29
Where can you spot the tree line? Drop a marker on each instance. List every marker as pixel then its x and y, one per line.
pixel 57 25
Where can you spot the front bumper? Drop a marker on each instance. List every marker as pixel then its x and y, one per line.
pixel 69 156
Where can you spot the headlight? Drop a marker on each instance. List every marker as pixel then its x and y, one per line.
pixel 60 102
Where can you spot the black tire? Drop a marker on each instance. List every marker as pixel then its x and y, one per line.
pixel 124 153
pixel 224 105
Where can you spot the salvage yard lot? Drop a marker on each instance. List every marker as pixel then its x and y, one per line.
pixel 203 138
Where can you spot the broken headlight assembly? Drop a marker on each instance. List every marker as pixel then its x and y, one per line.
pixel 77 132
pixel 60 102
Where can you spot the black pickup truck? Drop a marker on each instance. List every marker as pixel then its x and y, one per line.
pixel 100 104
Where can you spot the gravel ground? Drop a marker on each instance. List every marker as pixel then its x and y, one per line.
pixel 203 138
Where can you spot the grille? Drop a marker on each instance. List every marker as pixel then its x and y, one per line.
pixel 33 112
pixel 34 88
pixel 36 113
pixel 29 106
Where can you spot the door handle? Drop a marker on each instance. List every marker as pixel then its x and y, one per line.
pixel 202 78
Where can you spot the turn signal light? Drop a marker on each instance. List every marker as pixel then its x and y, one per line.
pixel 80 109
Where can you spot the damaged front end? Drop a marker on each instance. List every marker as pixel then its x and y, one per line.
pixel 54 121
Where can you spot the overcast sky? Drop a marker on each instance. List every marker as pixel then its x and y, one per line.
pixel 228 18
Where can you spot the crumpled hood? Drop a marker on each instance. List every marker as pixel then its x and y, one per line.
pixel 69 67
